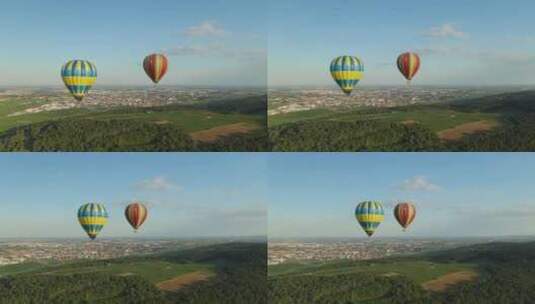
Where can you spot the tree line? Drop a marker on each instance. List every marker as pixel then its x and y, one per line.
pixel 84 135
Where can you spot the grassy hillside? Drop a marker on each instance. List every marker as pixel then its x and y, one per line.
pixel 491 273
pixel 436 118
pixel 228 273
pixel 417 271
pixel 152 271
pixel 494 123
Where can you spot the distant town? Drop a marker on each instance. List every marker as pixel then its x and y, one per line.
pixel 287 251
pixel 287 100
pixel 58 98
pixel 65 250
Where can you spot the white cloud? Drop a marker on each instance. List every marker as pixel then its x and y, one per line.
pixel 189 51
pixel 418 183
pixel 446 30
pixel 219 51
pixel 205 29
pixel 158 183
pixel 442 50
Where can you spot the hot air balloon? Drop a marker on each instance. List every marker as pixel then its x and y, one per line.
pixel 136 214
pixel 405 214
pixel 79 76
pixel 369 215
pixel 155 66
pixel 408 65
pixel 92 217
pixel 347 71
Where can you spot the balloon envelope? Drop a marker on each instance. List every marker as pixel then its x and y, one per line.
pixel 92 217
pixel 155 66
pixel 369 215
pixel 408 65
pixel 405 214
pixel 136 214
pixel 79 76
pixel 347 71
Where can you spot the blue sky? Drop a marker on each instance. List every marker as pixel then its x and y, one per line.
pixel 209 42
pixel 188 195
pixel 456 194
pixel 460 42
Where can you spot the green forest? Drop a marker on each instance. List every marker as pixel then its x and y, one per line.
pixel 239 277
pixel 88 135
pixel 389 130
pixel 506 273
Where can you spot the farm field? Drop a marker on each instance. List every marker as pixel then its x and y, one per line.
pixel 188 119
pixel 153 271
pixel 435 119
pixel 417 271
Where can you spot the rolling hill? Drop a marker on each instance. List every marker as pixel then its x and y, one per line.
pixel 489 273
pixel 227 273
pixel 501 122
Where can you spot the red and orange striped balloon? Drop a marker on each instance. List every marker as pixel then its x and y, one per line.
pixel 155 66
pixel 408 65
pixel 136 214
pixel 405 214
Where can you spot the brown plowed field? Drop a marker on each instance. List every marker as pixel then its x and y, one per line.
pixel 450 279
pixel 184 280
pixel 465 129
pixel 212 134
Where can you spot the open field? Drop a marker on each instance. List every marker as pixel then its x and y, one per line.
pixel 11 106
pixel 190 120
pixel 418 271
pixel 153 271
pixel 184 280
pixel 435 119
pixel 459 131
pixel 213 134
pixel 451 279
pixel 281 119
pixel 20 268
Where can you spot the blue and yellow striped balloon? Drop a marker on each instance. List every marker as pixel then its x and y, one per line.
pixel 369 215
pixel 79 76
pixel 347 71
pixel 92 217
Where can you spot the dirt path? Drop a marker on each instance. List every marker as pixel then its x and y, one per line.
pixel 184 280
pixel 450 279
pixel 213 134
pixel 465 129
